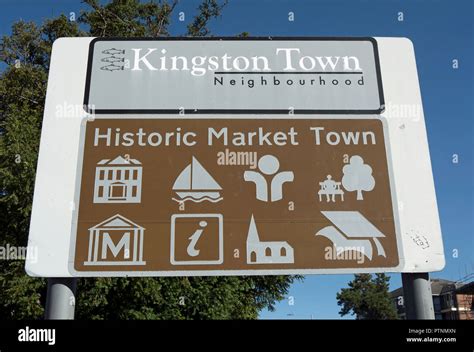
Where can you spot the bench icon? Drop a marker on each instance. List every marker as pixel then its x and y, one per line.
pixel 330 189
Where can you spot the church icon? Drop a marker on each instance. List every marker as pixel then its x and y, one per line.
pixel 260 252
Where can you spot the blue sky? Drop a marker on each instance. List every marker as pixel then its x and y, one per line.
pixel 441 30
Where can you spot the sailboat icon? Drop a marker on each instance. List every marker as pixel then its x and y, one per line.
pixel 194 183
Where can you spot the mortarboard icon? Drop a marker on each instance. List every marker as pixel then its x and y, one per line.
pixel 352 231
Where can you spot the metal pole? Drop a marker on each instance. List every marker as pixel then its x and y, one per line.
pixel 60 300
pixel 417 296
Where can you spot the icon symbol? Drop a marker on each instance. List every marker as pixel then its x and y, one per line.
pixel 259 252
pixel 111 240
pixel 192 251
pixel 113 51
pixel 118 181
pixel 113 61
pixel 269 165
pixel 197 239
pixel 357 176
pixel 330 189
pixel 352 231
pixel 194 183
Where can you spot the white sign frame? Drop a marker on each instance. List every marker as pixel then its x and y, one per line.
pixel 54 214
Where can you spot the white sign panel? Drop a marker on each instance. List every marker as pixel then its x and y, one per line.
pixel 302 75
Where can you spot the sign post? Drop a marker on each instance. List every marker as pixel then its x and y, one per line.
pixel 60 299
pixel 234 156
pixel 417 296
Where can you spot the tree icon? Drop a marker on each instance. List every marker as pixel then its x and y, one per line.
pixel 357 176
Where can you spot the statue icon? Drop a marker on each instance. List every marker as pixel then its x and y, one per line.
pixel 330 188
pixel 269 165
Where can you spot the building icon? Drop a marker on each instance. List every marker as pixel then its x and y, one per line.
pixel 116 241
pixel 118 180
pixel 259 252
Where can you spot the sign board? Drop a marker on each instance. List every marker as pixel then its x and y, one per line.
pixel 235 194
pixel 226 184
pixel 300 75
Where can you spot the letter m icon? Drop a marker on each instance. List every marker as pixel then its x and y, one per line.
pixel 124 244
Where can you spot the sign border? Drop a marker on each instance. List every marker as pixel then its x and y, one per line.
pixel 234 111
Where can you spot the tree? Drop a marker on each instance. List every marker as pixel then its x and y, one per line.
pixel 357 176
pixel 367 298
pixel 26 53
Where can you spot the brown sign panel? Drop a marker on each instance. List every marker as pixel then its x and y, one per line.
pixel 234 196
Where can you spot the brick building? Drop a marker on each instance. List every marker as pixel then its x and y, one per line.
pixel 451 300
